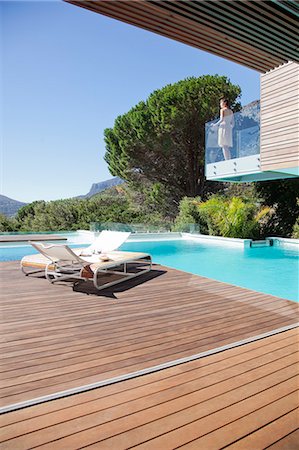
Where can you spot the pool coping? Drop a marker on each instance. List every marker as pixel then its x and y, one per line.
pixel 148 236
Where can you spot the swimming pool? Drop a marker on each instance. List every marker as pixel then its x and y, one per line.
pixel 271 270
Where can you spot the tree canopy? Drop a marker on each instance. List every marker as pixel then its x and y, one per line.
pixel 160 141
pixel 114 205
pixel 283 196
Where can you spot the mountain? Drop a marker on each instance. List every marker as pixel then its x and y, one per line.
pixel 8 206
pixel 101 186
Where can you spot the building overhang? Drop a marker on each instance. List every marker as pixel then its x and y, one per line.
pixel 258 34
pixel 256 176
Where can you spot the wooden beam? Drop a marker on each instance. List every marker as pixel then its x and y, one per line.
pixel 230 27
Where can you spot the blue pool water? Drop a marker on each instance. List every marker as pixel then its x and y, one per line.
pixel 272 270
pixel 14 252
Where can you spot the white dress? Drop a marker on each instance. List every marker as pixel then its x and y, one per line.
pixel 225 131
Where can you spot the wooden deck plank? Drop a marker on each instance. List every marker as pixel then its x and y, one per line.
pixel 61 357
pixel 247 424
pixel 160 304
pixel 167 389
pixel 115 350
pixel 271 348
pixel 264 436
pixel 222 315
pixel 187 320
pixel 237 395
pixel 52 383
pixel 54 338
pixel 187 316
pixel 289 442
pixel 179 427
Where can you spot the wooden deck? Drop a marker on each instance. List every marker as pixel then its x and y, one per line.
pixel 31 237
pixel 55 338
pixel 243 399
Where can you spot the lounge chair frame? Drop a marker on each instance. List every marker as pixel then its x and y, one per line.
pixel 30 272
pixel 66 272
pixel 125 273
pixel 80 269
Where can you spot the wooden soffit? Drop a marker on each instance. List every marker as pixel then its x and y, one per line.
pixel 260 34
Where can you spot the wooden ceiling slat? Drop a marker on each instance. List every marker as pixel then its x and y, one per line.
pixel 229 27
pixel 266 10
pixel 234 19
pixel 202 15
pixel 266 14
pixel 288 32
pixel 260 34
pixel 136 16
pixel 241 15
pixel 253 9
pixel 217 37
pixel 221 40
pixel 291 7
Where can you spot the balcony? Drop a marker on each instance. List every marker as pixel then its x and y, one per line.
pixel 245 152
pixel 246 161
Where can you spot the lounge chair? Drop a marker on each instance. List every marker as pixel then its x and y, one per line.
pixel 61 263
pixel 107 241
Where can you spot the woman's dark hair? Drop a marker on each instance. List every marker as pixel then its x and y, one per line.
pixel 225 101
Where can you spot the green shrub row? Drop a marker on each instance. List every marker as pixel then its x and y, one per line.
pixel 242 216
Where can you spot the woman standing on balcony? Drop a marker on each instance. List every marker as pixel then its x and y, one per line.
pixel 225 130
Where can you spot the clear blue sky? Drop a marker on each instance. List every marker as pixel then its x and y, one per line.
pixel 67 73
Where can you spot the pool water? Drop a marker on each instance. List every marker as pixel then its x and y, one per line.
pixel 271 270
pixel 16 252
pixel 13 251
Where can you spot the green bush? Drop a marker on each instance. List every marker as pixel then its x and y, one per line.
pixel 234 217
pixel 189 214
pixel 295 234
pixel 221 216
pixel 6 223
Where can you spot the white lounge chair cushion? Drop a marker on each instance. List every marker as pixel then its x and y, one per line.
pixel 107 241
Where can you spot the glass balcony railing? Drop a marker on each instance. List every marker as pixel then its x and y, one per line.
pixel 162 227
pixel 245 134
